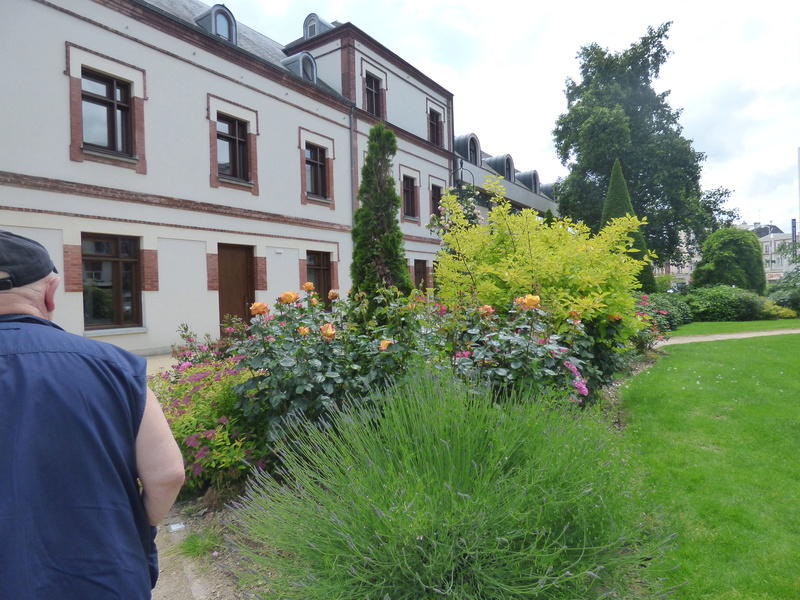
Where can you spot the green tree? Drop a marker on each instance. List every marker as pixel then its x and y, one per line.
pixel 731 257
pixel 614 112
pixel 378 255
pixel 618 204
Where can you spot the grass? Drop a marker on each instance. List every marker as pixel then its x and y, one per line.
pixel 202 544
pixel 715 426
pixel 709 328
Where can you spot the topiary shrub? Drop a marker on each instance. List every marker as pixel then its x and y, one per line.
pixel 724 303
pixel 444 493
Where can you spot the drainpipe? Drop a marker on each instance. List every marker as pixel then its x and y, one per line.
pixel 353 160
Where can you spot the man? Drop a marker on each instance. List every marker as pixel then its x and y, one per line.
pixel 88 464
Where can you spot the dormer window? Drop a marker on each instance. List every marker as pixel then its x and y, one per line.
pixel 313 25
pixel 312 29
pixel 222 26
pixel 473 151
pixel 308 68
pixel 509 174
pixel 219 21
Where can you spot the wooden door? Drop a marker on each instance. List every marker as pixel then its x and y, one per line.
pixel 237 289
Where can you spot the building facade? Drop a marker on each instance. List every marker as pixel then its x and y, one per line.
pixel 179 165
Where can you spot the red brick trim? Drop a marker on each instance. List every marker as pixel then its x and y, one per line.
pixel 149 263
pixel 334 274
pixel 212 272
pixel 260 270
pixel 118 195
pixel 73 268
pixel 348 57
pixel 303 270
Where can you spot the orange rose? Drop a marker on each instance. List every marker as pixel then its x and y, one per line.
pixel 303 330
pixel 308 286
pixel 327 331
pixel 486 310
pixel 258 308
pixel 384 345
pixel 576 315
pixel 314 301
pixel 528 301
pixel 333 294
pixel 288 297
pixel 615 317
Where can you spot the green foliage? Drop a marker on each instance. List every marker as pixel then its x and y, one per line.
pixel 772 310
pixel 677 310
pixel 442 493
pixel 378 256
pixel 197 352
pixel 306 361
pixel 202 544
pixel 731 257
pixel 618 204
pixel 466 206
pixel 614 112
pixel 724 303
pixel 786 292
pixel 200 406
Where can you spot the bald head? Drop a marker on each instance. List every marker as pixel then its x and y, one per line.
pixel 37 298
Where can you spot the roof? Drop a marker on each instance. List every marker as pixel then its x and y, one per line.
pixel 248 40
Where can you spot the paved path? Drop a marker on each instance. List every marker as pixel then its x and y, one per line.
pixel 688 339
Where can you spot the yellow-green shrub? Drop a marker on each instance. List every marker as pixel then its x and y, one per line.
pixel 576 274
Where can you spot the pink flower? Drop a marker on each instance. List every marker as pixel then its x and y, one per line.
pixel 192 441
pixel 202 453
pixel 197 468
pixel 224 420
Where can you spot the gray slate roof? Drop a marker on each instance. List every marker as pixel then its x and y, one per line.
pixel 249 40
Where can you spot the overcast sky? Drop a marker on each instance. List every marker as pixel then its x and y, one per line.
pixel 734 71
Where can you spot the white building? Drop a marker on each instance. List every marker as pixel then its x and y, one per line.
pixel 179 165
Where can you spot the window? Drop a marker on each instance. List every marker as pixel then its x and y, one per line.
pixel 308 68
pixel 316 175
pixel 106 112
pixel 373 95
pixel 318 272
pixel 112 287
pixel 409 197
pixel 473 151
pixel 509 170
pixel 434 127
pixel 311 29
pixel 436 199
pixel 420 274
pixel 232 148
pixel 222 26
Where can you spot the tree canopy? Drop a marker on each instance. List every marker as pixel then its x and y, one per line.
pixel 731 257
pixel 614 112
pixel 378 255
pixel 618 204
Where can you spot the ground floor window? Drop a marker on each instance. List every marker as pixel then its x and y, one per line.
pixel 112 288
pixel 318 272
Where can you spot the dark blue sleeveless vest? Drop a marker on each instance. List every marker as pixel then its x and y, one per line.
pixel 72 524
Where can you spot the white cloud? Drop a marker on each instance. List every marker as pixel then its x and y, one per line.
pixel 733 71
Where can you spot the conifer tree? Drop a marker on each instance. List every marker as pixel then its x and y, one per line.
pixel 618 204
pixel 378 255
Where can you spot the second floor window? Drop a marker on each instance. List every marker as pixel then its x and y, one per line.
pixel 232 147
pixel 106 108
pixel 434 127
pixel 436 199
pixel 373 98
pixel 316 176
pixel 409 197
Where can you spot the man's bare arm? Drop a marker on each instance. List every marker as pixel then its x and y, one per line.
pixel 159 462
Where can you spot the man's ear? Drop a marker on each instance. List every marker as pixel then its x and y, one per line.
pixel 50 294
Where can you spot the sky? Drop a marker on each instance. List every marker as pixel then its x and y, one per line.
pixel 734 73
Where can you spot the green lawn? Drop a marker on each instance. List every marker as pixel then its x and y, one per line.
pixel 699 328
pixel 716 426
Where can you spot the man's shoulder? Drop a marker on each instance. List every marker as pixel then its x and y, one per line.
pixel 39 336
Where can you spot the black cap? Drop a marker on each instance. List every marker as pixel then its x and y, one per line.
pixel 25 261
